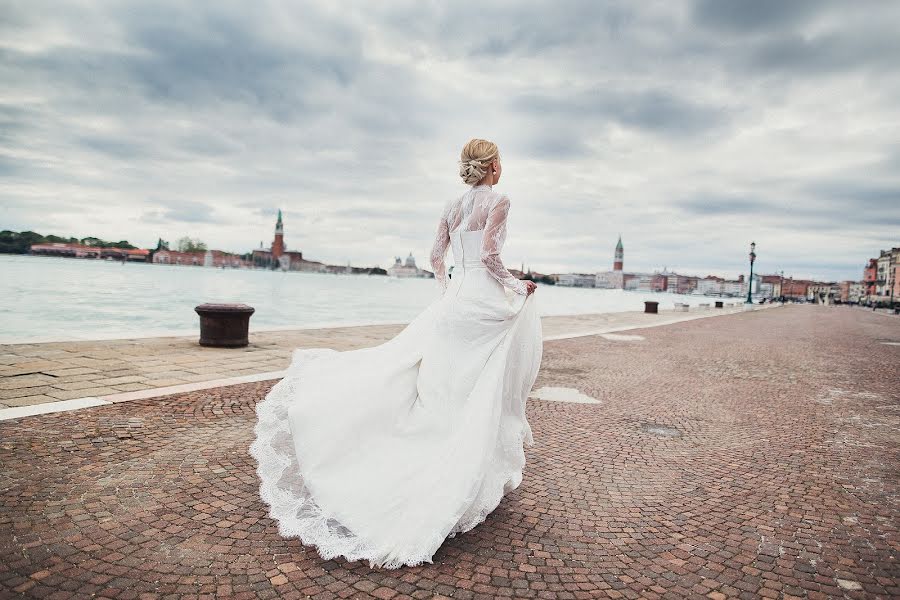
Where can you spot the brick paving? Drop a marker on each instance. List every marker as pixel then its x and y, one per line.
pixel 749 456
pixel 33 374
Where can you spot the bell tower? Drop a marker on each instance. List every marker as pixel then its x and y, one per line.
pixel 278 244
pixel 620 256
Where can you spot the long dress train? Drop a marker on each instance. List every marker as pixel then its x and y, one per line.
pixel 380 454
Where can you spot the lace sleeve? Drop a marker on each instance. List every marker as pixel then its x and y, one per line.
pixel 439 249
pixel 492 243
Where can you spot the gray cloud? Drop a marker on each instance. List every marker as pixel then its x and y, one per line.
pixel 689 127
pixel 736 16
pixel 654 111
pixel 184 211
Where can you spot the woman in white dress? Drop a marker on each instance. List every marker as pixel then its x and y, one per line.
pixel 382 453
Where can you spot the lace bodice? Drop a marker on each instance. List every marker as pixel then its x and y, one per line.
pixel 479 209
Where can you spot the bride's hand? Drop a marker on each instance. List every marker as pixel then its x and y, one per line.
pixel 530 286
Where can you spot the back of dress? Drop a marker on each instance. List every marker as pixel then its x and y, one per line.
pixel 479 209
pixel 436 415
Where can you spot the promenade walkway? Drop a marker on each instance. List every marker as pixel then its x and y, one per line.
pixel 44 377
pixel 754 455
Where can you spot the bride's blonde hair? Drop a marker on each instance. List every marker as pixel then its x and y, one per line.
pixel 475 159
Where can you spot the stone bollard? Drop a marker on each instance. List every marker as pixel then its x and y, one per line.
pixel 704 306
pixel 224 325
pixel 679 307
pixel 651 307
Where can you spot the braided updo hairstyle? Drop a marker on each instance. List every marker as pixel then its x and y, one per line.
pixel 475 160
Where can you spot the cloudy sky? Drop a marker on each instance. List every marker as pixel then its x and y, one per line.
pixel 691 128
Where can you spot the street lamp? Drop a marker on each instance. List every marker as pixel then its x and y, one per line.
pixel 750 283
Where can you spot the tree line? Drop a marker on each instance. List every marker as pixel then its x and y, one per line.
pixel 19 242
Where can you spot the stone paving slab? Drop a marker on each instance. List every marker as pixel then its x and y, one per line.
pixel 47 372
pixel 743 457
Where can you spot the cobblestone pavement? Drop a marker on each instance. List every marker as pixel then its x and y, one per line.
pixel 755 455
pixel 49 372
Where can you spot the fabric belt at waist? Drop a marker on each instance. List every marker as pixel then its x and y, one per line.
pixel 470 265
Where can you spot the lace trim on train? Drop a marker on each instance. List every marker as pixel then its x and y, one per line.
pixel 295 511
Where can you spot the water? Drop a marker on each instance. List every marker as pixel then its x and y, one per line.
pixel 56 299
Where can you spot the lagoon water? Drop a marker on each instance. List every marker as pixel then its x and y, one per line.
pixel 56 299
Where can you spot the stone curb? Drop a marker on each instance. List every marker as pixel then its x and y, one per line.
pixel 46 408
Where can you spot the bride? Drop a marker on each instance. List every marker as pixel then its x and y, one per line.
pixel 382 453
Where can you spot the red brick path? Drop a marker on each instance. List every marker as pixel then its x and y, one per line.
pixel 744 456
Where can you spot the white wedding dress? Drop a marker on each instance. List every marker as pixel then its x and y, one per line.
pixel 380 454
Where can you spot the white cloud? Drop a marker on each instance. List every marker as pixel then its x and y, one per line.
pixel 689 128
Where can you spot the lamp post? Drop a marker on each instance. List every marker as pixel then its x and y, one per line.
pixel 750 283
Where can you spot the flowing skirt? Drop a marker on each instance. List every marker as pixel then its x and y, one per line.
pixel 382 453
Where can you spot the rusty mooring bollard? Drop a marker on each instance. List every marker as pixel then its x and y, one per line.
pixel 651 307
pixel 224 325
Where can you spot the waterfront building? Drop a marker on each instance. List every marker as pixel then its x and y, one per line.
pixel 770 285
pixel 719 286
pixel 406 269
pixel 279 257
pixel 734 287
pixel 614 279
pixel 576 280
pixel 796 289
pixel 619 260
pixel 870 276
pixel 681 284
pixel 890 270
pixel 639 281
pixel 823 292
pixel 610 280
pixel 659 282
pixel 882 276
pixel 894 291
pixel 83 251
pixel 710 285
pixel 851 292
pixel 209 258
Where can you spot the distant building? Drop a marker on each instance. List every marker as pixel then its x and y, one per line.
pixel 659 282
pixel 279 257
pixel 406 269
pixel 718 286
pixel 642 282
pixel 681 284
pixel 887 263
pixel 895 290
pixel 795 289
pixel 770 285
pixel 851 292
pixel 619 260
pixel 870 276
pixel 208 258
pixel 576 280
pixel 82 251
pixel 610 280
pixel 823 293
pixel 614 279
pixel 881 277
